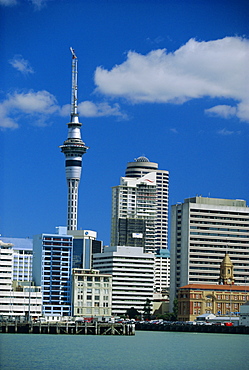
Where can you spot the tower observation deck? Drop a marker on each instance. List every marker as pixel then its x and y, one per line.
pixel 73 148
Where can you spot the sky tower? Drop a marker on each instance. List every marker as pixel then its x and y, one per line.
pixel 73 148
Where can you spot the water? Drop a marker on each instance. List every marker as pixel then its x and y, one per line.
pixel 145 350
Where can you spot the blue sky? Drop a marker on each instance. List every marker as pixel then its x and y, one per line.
pixel 165 79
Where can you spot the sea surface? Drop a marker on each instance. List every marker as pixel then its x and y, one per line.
pixel 145 350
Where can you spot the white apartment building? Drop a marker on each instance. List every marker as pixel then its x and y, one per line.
pixel 22 257
pixel 132 273
pixel 140 207
pixel 17 298
pixel 92 293
pixel 202 231
pixel 162 271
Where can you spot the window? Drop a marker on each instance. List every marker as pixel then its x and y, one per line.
pixel 89 297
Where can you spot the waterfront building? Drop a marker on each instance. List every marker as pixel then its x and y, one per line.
pixel 132 273
pixel 223 299
pixel 22 258
pixel 202 230
pixel 199 299
pixel 140 207
pixel 52 267
pixel 73 148
pixel 17 298
pixel 92 293
pixel 85 243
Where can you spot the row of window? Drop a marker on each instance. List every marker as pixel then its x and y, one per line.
pixel 91 311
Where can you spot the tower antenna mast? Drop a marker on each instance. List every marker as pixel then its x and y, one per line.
pixel 74 108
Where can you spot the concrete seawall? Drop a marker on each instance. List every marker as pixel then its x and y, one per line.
pixel 193 328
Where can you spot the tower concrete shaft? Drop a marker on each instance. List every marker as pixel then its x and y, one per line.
pixel 73 148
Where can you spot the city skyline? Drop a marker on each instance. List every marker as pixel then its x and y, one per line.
pixel 159 79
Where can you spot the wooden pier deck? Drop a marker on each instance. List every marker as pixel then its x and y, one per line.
pixel 78 328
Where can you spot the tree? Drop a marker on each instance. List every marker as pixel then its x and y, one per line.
pixel 175 309
pixel 147 309
pixel 132 313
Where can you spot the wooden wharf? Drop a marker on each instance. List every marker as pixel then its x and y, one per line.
pixel 78 328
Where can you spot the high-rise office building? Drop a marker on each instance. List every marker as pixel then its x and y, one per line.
pixel 202 231
pixel 52 270
pixel 140 207
pixel 85 243
pixel 73 148
pixel 132 273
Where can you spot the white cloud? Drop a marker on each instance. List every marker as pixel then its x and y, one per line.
pixel 225 111
pixel 34 102
pixel 21 64
pixel 38 4
pixel 5 120
pixel 65 110
pixel 38 106
pixel 217 69
pixel 90 109
pixel 226 132
pixel 174 130
pixel 8 2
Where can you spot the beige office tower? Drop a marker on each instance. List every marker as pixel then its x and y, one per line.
pixel 202 231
